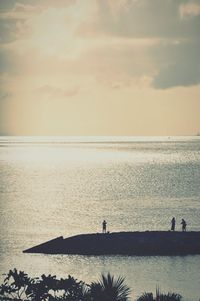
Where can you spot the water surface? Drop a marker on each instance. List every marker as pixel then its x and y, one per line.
pixel 56 186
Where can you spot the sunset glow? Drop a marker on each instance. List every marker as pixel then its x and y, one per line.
pixel 102 67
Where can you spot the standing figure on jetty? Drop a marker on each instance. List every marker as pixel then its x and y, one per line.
pixel 104 226
pixel 173 223
pixel 183 223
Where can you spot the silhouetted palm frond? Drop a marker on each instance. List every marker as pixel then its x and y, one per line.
pixel 146 297
pixel 160 296
pixel 109 289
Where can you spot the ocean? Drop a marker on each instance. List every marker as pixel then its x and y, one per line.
pixel 53 186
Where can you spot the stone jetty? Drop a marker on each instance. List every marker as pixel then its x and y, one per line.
pixel 123 243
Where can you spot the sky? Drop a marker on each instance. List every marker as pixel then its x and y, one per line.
pixel 99 67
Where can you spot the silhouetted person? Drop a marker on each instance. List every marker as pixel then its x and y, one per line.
pixel 104 226
pixel 173 223
pixel 183 223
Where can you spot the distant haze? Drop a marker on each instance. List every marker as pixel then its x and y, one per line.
pixel 99 67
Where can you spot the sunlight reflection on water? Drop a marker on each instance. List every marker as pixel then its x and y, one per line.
pixel 65 189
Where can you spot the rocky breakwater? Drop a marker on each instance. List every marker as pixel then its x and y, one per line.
pixel 124 243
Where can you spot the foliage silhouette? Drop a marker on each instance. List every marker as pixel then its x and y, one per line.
pixel 160 297
pixel 109 289
pixel 18 286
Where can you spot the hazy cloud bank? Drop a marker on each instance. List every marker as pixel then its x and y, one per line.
pixel 110 35
pixel 89 49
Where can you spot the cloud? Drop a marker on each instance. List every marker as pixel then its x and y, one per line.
pixel 13 22
pixel 104 53
pixel 14 6
pixel 8 61
pixel 189 10
pixel 6 5
pixel 118 62
pixel 57 92
pixel 16 16
pixel 178 65
pixel 20 11
pixel 4 96
pixel 115 42
pixel 176 57
pixel 138 19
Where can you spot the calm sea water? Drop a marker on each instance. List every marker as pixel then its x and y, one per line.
pixel 51 187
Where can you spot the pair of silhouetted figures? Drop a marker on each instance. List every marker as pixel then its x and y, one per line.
pixel 173 224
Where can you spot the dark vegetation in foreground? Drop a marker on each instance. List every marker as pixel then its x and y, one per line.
pixel 18 286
